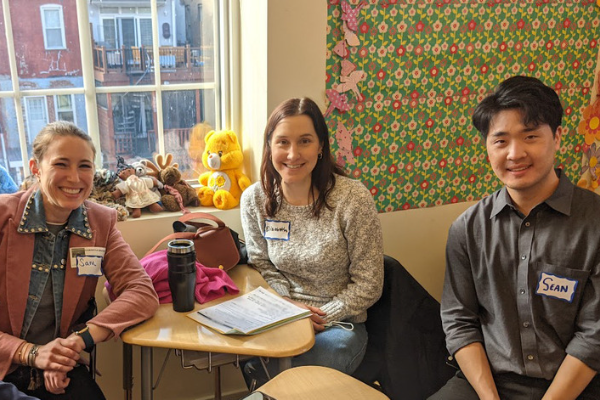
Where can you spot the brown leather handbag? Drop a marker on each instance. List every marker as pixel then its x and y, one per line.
pixel 213 240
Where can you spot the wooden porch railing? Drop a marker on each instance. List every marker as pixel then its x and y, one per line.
pixel 139 59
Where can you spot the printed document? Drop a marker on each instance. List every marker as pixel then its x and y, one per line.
pixel 249 314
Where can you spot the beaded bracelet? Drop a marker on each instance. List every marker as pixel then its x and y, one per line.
pixel 32 355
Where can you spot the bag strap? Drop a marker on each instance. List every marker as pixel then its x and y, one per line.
pixel 178 235
pixel 200 215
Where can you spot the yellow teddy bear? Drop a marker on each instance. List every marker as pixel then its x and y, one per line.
pixel 223 184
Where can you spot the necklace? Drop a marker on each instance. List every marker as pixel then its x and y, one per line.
pixel 58 223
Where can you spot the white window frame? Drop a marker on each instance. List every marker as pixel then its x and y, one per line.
pixel 73 108
pixel 53 7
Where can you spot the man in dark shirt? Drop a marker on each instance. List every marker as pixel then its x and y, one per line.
pixel 521 300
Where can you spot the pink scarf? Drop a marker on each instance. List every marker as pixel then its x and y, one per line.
pixel 211 283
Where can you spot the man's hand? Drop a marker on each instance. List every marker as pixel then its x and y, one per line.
pixel 570 380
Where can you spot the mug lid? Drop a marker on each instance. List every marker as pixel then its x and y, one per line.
pixel 180 246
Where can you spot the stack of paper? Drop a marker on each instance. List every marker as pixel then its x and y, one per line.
pixel 252 313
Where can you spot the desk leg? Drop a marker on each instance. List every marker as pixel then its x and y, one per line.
pixel 127 371
pixel 285 363
pixel 147 373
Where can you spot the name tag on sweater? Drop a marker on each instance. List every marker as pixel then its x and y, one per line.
pixel 556 286
pixel 277 230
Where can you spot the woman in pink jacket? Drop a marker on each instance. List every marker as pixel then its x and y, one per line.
pixel 53 247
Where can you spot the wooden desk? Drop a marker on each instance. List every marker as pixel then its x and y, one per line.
pixel 173 330
pixel 317 383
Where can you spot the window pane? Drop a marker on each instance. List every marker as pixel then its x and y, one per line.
pixel 182 110
pixel 126 127
pixel 63 102
pixel 109 33
pixel 37 66
pixel 10 151
pixel 52 18
pixel 199 28
pixel 5 82
pixel 64 108
pixel 36 115
pixel 146 32
pixel 54 38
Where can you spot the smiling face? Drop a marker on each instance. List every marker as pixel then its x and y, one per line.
pixel 66 175
pixel 523 157
pixel 295 149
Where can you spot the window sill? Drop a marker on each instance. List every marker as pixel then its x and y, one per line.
pixel 174 215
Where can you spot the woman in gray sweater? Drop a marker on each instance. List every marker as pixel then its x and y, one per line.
pixel 314 234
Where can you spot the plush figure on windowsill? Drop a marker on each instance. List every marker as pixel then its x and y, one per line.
pixel 223 185
pixel 7 185
pixel 143 170
pixel 105 182
pixel 177 194
pixel 137 191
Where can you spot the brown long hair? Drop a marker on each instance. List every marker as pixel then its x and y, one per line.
pixel 323 175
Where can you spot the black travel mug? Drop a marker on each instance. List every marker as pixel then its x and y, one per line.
pixel 181 258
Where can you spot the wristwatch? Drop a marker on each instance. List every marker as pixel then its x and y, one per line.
pixel 87 338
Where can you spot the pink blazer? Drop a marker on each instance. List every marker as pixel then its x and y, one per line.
pixel 137 300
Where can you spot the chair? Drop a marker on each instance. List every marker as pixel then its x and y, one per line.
pixel 406 351
pixel 200 360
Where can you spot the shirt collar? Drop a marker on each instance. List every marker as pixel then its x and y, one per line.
pixel 560 200
pixel 33 219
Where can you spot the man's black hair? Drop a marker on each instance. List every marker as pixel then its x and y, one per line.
pixel 538 103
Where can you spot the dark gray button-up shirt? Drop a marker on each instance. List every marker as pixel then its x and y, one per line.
pixel 528 288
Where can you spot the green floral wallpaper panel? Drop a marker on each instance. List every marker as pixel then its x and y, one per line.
pixel 413 71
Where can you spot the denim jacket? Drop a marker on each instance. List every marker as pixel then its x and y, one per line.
pixel 50 255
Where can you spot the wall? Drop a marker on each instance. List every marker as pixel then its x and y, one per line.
pixel 293 64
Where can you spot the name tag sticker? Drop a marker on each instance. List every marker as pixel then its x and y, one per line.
pixel 87 260
pixel 277 230
pixel 89 265
pixel 557 287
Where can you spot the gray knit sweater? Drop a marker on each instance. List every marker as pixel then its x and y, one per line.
pixel 334 262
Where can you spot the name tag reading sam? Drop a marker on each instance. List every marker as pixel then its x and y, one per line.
pixel 87 260
pixel 277 230
pixel 556 286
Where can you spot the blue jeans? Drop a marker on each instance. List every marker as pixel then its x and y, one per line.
pixel 335 348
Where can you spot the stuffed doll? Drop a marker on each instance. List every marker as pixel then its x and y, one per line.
pixel 177 194
pixel 7 185
pixel 223 184
pixel 105 182
pixel 137 191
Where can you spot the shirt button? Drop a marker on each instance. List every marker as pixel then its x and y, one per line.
pixel 522 291
pixel 523 257
pixel 527 223
pixel 530 357
pixel 526 324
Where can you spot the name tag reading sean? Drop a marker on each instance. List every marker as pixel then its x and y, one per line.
pixel 556 286
pixel 277 230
